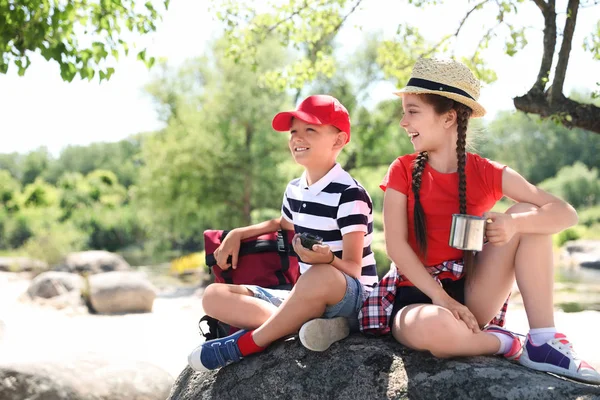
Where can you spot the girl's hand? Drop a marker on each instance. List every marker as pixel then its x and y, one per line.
pixel 501 229
pixel 320 253
pixel 460 312
pixel 229 247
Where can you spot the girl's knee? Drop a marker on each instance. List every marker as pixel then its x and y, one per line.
pixel 423 327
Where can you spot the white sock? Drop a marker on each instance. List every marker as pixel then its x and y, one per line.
pixel 505 342
pixel 540 336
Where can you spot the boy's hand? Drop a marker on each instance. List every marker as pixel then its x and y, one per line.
pixel 501 229
pixel 320 253
pixel 229 247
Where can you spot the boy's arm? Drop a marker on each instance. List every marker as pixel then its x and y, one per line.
pixel 231 243
pixel 352 254
pixel 351 261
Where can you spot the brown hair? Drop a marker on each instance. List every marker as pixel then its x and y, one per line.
pixel 463 113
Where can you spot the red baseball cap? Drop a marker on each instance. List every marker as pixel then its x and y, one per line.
pixel 319 109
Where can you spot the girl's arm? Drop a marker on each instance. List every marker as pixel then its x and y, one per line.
pixel 399 251
pixel 407 262
pixel 551 216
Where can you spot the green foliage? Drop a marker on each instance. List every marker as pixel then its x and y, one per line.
pixel 537 149
pixel 53 28
pixel 119 157
pixel 589 216
pixel 563 237
pixel 39 194
pixel 109 228
pixel 576 184
pixel 218 159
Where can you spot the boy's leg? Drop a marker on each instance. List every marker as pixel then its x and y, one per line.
pixel 320 286
pixel 317 288
pixel 337 320
pixel 236 305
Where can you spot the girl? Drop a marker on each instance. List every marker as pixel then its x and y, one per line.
pixel 436 298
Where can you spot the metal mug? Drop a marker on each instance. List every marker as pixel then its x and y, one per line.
pixel 467 232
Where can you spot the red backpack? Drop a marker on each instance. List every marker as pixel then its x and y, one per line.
pixel 266 260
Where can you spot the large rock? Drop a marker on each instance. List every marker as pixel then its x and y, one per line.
pixel 121 292
pixel 54 283
pixel 91 378
pixel 94 262
pixel 583 253
pixel 367 368
pixel 22 264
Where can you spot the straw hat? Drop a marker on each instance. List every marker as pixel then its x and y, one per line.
pixel 446 78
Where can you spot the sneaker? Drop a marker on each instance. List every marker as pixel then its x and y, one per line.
pixel 318 334
pixel 516 347
pixel 216 353
pixel 557 356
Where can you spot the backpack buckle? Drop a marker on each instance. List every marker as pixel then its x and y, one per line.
pixel 281 243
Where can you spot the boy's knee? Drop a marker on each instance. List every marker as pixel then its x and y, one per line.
pixel 321 276
pixel 211 296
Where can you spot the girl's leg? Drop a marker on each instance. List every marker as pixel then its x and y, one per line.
pixel 317 288
pixel 433 328
pixel 526 257
pixel 236 305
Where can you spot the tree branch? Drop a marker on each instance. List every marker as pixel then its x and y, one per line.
pixel 549 12
pixel 462 22
pixel 565 50
pixel 565 111
pixel 542 5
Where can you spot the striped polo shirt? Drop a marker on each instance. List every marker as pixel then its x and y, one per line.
pixel 330 208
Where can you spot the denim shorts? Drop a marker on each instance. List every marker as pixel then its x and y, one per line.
pixel 347 307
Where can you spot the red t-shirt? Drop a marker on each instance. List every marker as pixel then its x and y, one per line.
pixel 439 198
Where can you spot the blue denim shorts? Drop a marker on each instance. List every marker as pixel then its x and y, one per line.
pixel 347 307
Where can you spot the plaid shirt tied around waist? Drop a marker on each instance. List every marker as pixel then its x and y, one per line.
pixel 375 313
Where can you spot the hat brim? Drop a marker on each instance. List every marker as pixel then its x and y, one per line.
pixel 478 110
pixel 283 121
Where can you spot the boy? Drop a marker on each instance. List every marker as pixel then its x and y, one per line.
pixel 336 275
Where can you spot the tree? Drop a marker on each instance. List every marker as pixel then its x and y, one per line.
pixel 218 160
pixel 307 25
pixel 81 36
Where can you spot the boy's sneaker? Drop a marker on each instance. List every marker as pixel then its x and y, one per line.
pixel 216 353
pixel 557 356
pixel 318 334
pixel 516 347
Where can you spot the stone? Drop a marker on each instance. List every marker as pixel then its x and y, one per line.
pixel 372 368
pixel 121 292
pixel 88 378
pixel 93 262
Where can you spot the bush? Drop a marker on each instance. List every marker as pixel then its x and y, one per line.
pixel 563 237
pixel 589 216
pixel 576 184
pixel 53 244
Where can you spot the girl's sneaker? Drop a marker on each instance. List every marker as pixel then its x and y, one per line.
pixel 557 356
pixel 216 353
pixel 516 347
pixel 320 333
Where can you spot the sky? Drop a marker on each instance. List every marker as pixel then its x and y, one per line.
pixel 39 109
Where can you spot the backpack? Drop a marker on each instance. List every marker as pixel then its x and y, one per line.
pixel 267 260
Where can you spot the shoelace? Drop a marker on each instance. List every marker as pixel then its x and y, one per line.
pixel 564 344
